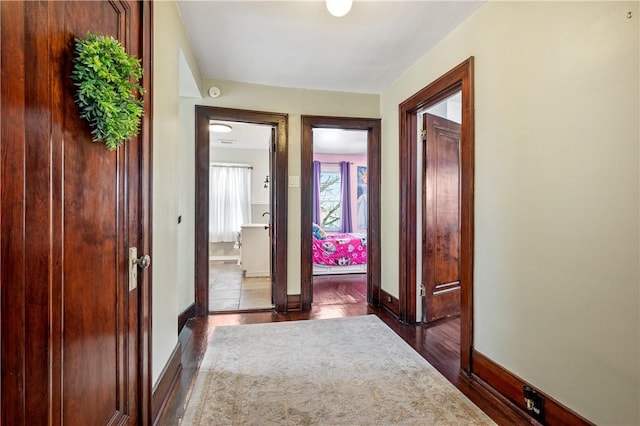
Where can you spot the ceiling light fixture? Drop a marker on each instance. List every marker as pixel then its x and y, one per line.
pixel 339 8
pixel 219 128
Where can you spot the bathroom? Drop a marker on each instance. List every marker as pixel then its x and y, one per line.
pixel 239 217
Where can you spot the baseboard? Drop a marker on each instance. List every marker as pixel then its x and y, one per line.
pixel 293 302
pixel 188 313
pixel 507 385
pixel 390 302
pixel 257 274
pixel 166 382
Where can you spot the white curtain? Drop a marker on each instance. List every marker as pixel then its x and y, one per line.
pixel 229 201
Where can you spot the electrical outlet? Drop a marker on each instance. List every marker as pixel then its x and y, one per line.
pixel 534 403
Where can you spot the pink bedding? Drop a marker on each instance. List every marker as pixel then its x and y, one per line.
pixel 340 249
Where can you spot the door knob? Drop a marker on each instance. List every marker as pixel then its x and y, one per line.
pixel 143 262
pixel 136 262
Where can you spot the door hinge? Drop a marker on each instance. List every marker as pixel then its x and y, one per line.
pixel 423 290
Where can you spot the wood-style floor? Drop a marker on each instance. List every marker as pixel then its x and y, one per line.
pixel 336 297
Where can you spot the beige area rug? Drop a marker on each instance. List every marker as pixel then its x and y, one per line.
pixel 346 371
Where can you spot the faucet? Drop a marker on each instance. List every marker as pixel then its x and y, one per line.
pixel 266 213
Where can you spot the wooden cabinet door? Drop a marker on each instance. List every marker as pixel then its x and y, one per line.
pixel 69 211
pixel 441 218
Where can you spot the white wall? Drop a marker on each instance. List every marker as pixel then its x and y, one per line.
pixel 166 267
pixel 294 102
pixel 557 195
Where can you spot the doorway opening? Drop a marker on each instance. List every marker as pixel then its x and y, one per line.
pixel 239 217
pixel 458 80
pixel 438 210
pixel 340 186
pixel 339 229
pixel 241 228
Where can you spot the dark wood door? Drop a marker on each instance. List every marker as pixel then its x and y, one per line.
pixel 441 218
pixel 69 211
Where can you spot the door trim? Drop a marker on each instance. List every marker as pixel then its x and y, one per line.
pixel 145 378
pixel 279 211
pixel 459 78
pixel 373 127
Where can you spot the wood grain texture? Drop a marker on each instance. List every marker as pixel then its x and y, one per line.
pixel 441 218
pixel 390 302
pixel 459 78
pixel 279 175
pixel 186 315
pixel 373 128
pixel 166 382
pixel 293 302
pixel 509 386
pixel 69 210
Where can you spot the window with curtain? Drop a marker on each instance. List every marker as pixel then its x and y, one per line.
pixel 229 201
pixel 330 197
pixel 333 183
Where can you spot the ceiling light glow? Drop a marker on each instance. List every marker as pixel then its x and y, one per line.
pixel 339 8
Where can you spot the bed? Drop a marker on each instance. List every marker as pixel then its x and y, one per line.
pixel 338 253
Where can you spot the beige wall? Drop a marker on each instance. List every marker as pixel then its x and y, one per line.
pixel 557 195
pixel 166 268
pixel 294 102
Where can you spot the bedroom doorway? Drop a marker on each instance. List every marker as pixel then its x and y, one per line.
pixel 340 186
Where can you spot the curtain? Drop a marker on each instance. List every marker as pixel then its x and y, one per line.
pixel 316 192
pixel 229 201
pixel 346 224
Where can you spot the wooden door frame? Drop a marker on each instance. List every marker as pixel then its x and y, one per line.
pixel 373 128
pixel 145 384
pixel 278 211
pixel 459 78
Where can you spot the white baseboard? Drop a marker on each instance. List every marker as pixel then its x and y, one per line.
pixel 256 274
pixel 224 257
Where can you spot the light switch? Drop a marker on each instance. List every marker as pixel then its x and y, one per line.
pixel 294 181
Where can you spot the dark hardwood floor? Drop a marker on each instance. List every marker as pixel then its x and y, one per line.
pixel 336 297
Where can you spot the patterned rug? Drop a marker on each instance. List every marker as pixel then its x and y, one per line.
pixel 346 371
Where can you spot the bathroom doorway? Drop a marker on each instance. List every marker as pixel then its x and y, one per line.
pixel 239 217
pixel 241 205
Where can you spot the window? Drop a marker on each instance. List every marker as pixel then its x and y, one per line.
pixel 330 197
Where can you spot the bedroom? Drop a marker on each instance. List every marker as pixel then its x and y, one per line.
pixel 339 227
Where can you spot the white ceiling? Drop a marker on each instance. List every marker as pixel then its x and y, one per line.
pixel 256 136
pixel 299 44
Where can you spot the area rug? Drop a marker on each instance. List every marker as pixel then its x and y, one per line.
pixel 346 371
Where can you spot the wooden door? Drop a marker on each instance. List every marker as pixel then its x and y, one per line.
pixel 441 218
pixel 69 211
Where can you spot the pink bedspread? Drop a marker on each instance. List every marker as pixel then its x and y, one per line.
pixel 340 249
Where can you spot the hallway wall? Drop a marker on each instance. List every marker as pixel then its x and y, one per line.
pixel 557 194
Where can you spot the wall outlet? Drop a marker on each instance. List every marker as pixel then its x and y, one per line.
pixel 534 403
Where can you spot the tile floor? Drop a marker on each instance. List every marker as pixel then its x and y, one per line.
pixel 229 290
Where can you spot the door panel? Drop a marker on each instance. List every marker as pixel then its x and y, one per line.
pixel 71 208
pixel 441 218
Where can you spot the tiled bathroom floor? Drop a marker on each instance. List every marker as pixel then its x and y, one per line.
pixel 229 290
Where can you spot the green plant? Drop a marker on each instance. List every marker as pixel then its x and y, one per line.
pixel 106 78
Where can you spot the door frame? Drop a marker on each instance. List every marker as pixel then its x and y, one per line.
pixel 145 376
pixel 279 157
pixel 373 128
pixel 459 78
